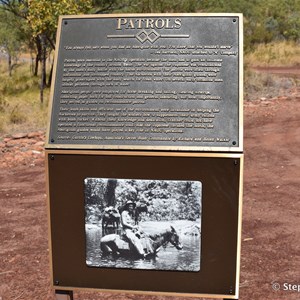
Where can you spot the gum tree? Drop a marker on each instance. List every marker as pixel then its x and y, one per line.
pixel 42 17
pixel 10 39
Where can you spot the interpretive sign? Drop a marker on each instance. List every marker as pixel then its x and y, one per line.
pixel 142 82
pixel 157 208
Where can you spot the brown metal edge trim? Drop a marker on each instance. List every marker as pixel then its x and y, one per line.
pixel 239 229
pixel 51 96
pixel 241 83
pixel 142 153
pixel 142 148
pixel 49 219
pixel 150 293
pixel 98 16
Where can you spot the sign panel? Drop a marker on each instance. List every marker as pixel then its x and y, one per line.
pixel 163 82
pixel 193 220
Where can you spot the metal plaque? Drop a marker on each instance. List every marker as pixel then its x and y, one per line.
pixel 162 82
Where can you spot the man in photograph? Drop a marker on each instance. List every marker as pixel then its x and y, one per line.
pixel 130 228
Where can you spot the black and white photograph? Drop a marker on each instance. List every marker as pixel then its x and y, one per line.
pixel 143 224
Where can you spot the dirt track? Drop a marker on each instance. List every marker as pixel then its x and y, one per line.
pixel 271 211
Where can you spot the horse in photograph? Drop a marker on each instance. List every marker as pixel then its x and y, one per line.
pixel 116 244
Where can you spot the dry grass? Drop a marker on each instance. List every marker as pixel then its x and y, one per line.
pixel 20 107
pixel 274 54
pixel 266 85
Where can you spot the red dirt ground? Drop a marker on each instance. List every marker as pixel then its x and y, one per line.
pixel 290 71
pixel 271 210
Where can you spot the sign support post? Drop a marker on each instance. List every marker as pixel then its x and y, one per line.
pixel 64 295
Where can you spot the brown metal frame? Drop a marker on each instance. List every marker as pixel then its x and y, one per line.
pixel 151 154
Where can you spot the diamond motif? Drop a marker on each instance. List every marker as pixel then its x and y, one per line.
pixel 143 36
pixel 153 36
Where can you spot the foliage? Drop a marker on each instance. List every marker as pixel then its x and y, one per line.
pixel 10 37
pixel 144 6
pixel 160 6
pixel 264 21
pixel 108 6
pixel 166 200
pixel 282 19
pixel 42 15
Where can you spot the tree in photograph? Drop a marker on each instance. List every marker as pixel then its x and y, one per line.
pixel 110 195
pixel 94 191
pixel 94 198
pixel 126 190
pixel 189 204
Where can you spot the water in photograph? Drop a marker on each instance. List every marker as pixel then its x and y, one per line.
pixel 168 258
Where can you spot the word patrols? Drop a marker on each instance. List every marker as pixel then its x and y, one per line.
pixel 146 23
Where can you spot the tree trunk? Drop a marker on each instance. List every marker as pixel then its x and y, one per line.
pixel 9 65
pixel 110 197
pixel 32 66
pixel 44 62
pixel 36 67
pixel 50 75
pixel 188 187
pixel 43 71
pixel 38 55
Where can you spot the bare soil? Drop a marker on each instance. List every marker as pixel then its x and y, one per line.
pixel 271 210
pixel 283 71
